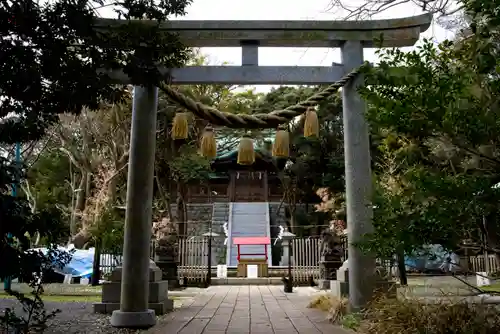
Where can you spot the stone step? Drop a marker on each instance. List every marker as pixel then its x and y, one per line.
pixel 247 281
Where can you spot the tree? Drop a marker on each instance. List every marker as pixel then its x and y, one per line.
pixel 313 162
pixel 46 184
pixel 93 140
pixel 52 63
pixel 448 13
pixel 437 127
pixel 367 9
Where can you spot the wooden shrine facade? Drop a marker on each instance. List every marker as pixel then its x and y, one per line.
pixel 231 182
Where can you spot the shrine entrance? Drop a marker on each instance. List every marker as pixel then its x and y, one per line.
pixel 248 186
pixel 350 36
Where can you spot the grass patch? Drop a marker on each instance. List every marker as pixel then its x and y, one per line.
pixel 61 289
pixel 61 298
pixel 405 316
pixel 351 321
pixel 495 287
pixel 409 316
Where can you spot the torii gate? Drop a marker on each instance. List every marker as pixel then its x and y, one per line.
pixel 350 36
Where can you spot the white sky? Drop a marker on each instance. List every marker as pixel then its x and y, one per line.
pixel 288 10
pixel 284 10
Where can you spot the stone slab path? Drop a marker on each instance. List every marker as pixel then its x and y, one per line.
pixel 246 309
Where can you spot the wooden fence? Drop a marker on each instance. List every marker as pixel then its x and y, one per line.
pixel 478 264
pixel 193 259
pixel 109 262
pixel 111 259
pixel 306 255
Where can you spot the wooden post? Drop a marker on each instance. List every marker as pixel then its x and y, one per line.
pixel 266 187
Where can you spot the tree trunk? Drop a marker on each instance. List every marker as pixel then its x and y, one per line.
pixel 181 210
pixel 166 200
pixel 79 204
pixel 81 193
pixel 291 227
pixel 181 193
pixel 402 268
pixel 492 229
pixel 96 266
pixel 112 185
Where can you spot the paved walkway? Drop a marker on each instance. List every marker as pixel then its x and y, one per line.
pixel 247 309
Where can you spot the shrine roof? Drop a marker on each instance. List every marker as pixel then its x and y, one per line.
pixel 252 241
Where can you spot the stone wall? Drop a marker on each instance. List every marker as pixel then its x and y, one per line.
pixel 198 216
pixel 277 219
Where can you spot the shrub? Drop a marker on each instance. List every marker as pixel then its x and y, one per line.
pixel 404 316
pixel 335 306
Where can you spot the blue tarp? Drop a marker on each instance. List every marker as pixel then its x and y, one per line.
pixel 432 257
pixel 80 264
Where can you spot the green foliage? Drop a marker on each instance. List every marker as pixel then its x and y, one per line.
pixel 436 125
pixel 108 230
pixel 317 162
pixel 44 74
pixel 351 321
pixel 35 316
pixel 190 167
pixel 52 62
pixel 47 179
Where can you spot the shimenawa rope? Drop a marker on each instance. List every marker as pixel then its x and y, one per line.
pixel 255 121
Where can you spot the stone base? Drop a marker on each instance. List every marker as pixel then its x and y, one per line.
pixel 328 269
pixel 324 284
pixel 170 273
pixel 145 319
pixel 155 274
pixel 158 292
pixel 339 289
pixel 158 308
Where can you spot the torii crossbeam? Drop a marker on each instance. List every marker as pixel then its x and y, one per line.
pixel 350 36
pixel 250 35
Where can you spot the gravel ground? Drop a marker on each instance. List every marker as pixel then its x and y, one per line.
pixel 75 318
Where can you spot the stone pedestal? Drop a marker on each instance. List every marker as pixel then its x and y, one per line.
pixel 158 293
pixel 168 266
pixel 340 286
pixel 284 257
pixel 328 272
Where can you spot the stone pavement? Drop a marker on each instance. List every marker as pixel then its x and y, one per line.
pixel 246 309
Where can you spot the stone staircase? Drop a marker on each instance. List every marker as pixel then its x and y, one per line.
pixel 220 215
pixel 247 220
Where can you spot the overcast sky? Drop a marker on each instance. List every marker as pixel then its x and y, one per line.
pixel 287 10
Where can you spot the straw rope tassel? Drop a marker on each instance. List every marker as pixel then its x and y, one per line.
pixel 281 145
pixel 208 144
pixel 246 152
pixel 180 126
pixel 311 124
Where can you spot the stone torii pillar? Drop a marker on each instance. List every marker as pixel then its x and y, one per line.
pixel 358 178
pixel 134 310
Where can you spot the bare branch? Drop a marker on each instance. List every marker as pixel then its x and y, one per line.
pixel 368 8
pixel 71 157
